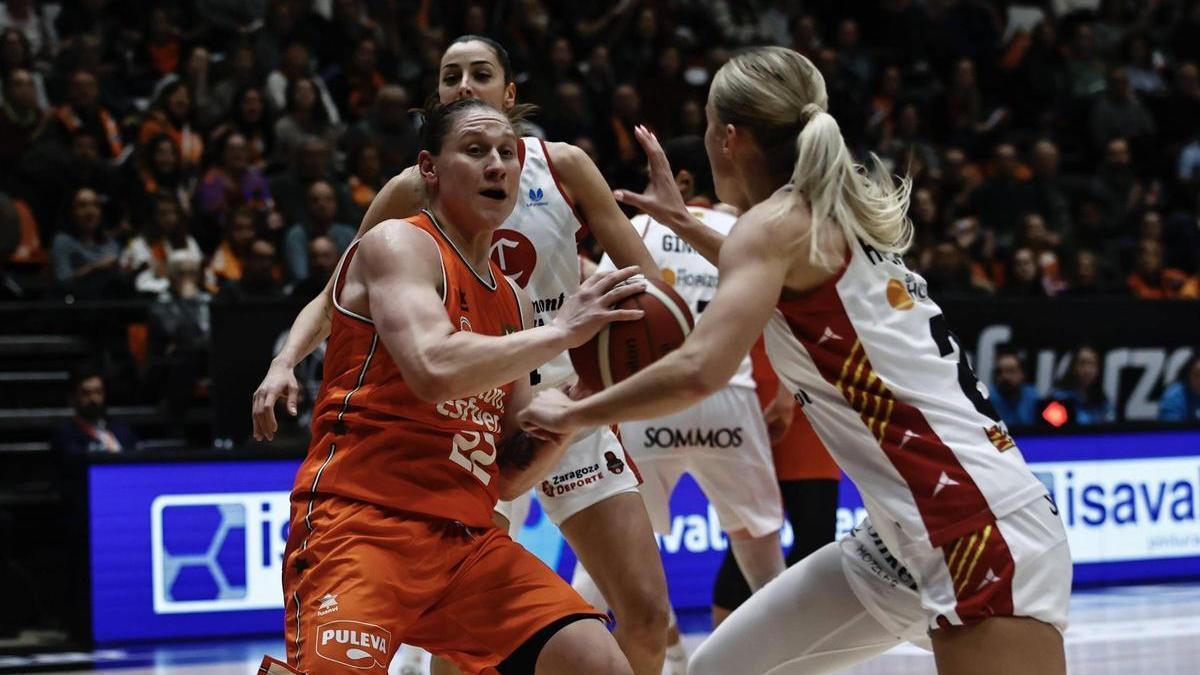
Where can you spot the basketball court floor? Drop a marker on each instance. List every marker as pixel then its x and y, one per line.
pixel 1133 630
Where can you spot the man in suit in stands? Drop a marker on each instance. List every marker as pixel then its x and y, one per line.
pixel 90 430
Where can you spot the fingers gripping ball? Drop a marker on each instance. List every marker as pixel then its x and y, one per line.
pixel 621 349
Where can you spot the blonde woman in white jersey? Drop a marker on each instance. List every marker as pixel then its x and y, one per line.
pixel 595 503
pixel 815 262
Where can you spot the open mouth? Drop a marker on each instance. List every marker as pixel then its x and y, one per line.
pixel 494 193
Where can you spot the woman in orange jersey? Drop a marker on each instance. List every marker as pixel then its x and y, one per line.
pixel 808 482
pixel 413 440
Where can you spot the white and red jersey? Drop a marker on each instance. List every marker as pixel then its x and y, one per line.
pixel 537 247
pixel 889 390
pixel 692 275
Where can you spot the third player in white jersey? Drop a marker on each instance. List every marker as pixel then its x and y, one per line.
pixel 722 441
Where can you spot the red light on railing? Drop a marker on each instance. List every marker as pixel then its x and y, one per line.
pixel 1055 414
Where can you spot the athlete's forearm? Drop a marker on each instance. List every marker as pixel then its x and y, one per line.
pixel 699 236
pixel 678 381
pixel 524 461
pixel 465 363
pixel 310 328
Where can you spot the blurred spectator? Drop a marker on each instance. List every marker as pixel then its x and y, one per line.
pixel 948 272
pixel 1024 278
pixel 1081 389
pixel 312 161
pixel 389 127
pixel 179 328
pixel 1119 113
pixel 294 65
pixel 618 144
pixel 322 210
pixel 242 74
pixel 323 257
pixel 1084 67
pixel 90 429
pixel 228 261
pixel 355 85
pixel 83 112
pixel 15 54
pixel 230 184
pixel 305 116
pixel 260 278
pixel 1016 401
pixel 1005 196
pixel 366 177
pixel 27 19
pixel 1181 109
pixel 1086 276
pixel 158 172
pixel 171 115
pixel 1181 400
pixel 1143 66
pixel 83 255
pixel 26 247
pixel 1052 193
pixel 1152 281
pixel 162 50
pixel 248 117
pixel 145 257
pixel 21 120
pixel 1044 245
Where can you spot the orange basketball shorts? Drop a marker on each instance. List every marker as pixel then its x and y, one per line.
pixel 359 581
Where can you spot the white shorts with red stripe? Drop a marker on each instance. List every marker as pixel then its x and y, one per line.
pixel 1018 565
pixel 593 468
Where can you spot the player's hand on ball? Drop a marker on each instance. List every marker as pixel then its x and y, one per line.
pixel 280 382
pixel 661 200
pixel 547 415
pixel 591 307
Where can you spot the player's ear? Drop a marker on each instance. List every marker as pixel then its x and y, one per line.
pixel 426 167
pixel 510 95
pixel 730 138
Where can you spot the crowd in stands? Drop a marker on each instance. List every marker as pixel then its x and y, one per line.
pixel 202 151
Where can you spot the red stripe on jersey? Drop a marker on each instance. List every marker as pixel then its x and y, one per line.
pixel 637 473
pixel 948 500
pixel 981 569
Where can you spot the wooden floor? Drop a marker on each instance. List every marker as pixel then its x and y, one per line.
pixel 1137 630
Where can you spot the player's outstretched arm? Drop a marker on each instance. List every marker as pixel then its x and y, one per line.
pixel 402 196
pixel 662 201
pixel 752 276
pixel 399 265
pixel 594 199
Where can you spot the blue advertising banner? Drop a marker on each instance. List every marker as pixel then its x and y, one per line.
pixel 195 549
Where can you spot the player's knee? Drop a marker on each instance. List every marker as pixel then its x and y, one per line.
pixel 646 620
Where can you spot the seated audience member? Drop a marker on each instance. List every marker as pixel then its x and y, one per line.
pixel 322 210
pixel 145 257
pixel 230 257
pixel 83 255
pixel 1181 401
pixel 179 331
pixel 90 430
pixel 1016 401
pixel 260 276
pixel 232 183
pixel 1150 280
pixel 323 257
pixel 1081 390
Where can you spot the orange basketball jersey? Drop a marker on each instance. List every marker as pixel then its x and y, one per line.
pixel 800 454
pixel 375 441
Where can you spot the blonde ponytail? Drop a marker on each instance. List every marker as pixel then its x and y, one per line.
pixel 779 96
pixel 867 205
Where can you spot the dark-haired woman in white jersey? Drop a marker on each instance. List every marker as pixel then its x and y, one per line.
pixel 962 541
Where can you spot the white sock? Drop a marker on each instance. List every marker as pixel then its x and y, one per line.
pixel 677 656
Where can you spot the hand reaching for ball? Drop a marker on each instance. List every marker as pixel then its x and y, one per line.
pixel 547 415
pixel 592 307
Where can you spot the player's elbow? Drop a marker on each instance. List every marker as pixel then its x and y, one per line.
pixel 429 384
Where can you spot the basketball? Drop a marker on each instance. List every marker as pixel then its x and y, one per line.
pixel 621 349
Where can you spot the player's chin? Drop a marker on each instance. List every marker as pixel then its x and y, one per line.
pixel 495 205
